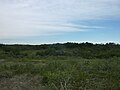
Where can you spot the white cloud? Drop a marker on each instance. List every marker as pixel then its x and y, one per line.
pixel 32 29
pixel 37 17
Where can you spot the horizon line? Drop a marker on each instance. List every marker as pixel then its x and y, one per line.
pixel 61 43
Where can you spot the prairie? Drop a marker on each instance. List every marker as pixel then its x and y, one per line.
pixel 59 68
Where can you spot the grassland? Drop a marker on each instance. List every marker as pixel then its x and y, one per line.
pixel 60 73
pixel 69 66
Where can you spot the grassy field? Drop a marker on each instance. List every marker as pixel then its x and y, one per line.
pixel 60 73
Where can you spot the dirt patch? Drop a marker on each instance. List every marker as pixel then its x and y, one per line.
pixel 21 82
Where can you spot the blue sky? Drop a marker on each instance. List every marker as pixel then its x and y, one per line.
pixel 54 21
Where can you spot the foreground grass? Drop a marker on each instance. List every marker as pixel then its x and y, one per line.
pixel 60 73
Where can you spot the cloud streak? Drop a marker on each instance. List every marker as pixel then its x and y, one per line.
pixel 33 29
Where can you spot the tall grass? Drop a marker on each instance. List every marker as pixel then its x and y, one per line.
pixel 64 73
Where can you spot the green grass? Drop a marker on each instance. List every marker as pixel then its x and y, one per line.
pixel 60 73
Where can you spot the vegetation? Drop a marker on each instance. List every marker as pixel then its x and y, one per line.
pixel 69 66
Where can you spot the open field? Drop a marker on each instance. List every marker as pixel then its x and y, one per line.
pixel 69 66
pixel 59 44
pixel 60 73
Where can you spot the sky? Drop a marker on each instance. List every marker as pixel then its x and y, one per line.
pixel 59 21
